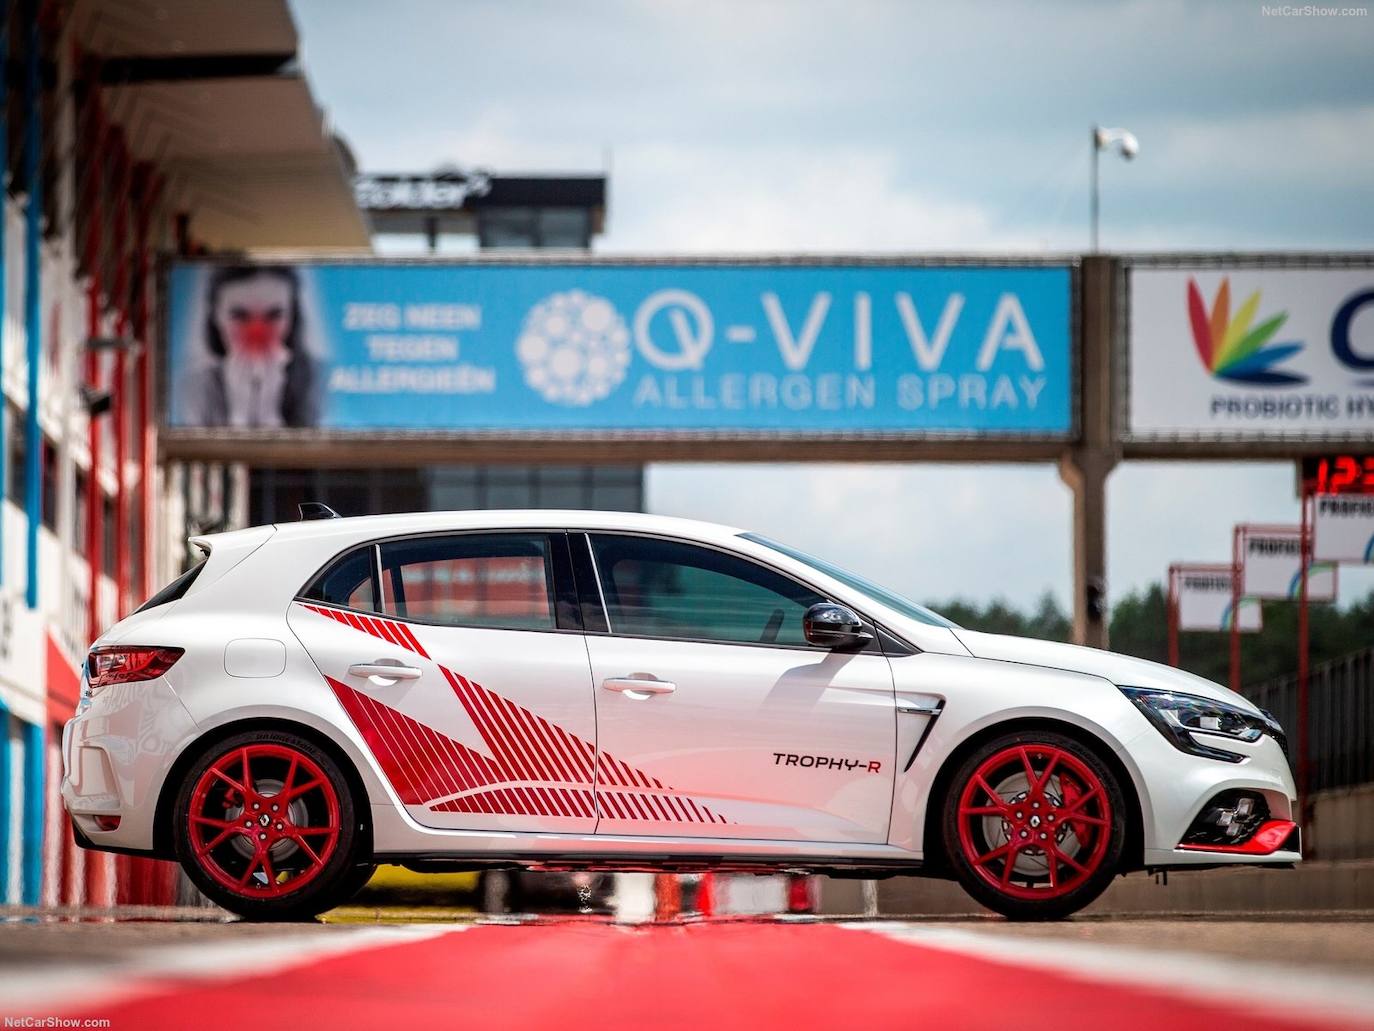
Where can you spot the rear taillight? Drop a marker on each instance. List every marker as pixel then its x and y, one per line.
pixel 118 664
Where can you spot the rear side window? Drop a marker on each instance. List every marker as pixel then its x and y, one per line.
pixel 496 581
pixel 176 589
pixel 348 581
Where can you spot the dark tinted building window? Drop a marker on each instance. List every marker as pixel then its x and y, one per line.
pixel 49 496
pixel 14 434
pixel 107 528
pixel 275 493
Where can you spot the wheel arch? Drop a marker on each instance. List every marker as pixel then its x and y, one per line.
pixel 163 845
pixel 937 862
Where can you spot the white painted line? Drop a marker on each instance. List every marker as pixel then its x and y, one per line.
pixel 161 968
pixel 1229 981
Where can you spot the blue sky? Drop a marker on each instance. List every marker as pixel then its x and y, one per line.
pixel 759 126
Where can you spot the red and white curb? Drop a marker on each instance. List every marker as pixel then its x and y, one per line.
pixel 163 968
pixel 1237 984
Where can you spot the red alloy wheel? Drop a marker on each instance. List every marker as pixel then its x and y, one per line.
pixel 1034 821
pixel 264 820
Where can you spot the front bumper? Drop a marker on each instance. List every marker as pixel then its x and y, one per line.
pixel 116 754
pixel 1181 786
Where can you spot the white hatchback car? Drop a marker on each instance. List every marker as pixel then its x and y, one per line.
pixel 581 690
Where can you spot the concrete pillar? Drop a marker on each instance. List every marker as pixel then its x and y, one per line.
pixel 1086 465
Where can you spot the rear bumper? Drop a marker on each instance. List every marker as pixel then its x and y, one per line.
pixel 116 754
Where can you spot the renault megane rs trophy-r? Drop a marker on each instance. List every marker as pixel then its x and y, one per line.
pixel 581 690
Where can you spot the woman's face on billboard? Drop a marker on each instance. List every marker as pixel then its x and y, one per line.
pixel 254 315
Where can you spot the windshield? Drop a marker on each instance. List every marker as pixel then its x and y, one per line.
pixel 866 587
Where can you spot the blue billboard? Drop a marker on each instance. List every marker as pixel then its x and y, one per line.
pixel 626 347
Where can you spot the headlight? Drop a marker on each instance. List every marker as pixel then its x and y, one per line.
pixel 1188 721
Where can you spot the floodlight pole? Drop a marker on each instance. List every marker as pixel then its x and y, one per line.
pixel 1094 200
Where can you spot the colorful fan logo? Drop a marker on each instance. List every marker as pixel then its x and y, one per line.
pixel 1230 348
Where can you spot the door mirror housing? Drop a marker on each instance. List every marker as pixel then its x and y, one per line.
pixel 827 625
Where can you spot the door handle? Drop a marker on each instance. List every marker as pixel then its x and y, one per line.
pixel 384 672
pixel 639 686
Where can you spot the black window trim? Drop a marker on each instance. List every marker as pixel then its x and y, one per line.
pixel 557 537
pixel 873 647
pixel 565 534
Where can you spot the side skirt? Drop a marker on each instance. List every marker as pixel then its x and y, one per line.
pixel 647 862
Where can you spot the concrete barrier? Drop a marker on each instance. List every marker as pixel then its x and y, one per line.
pixel 1342 825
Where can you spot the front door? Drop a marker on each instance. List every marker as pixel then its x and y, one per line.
pixel 455 660
pixel 714 716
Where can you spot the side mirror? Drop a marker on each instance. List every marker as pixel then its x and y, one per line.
pixel 827 625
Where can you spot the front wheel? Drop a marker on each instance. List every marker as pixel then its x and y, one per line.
pixel 1034 825
pixel 267 828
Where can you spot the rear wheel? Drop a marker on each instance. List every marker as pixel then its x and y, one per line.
pixel 267 828
pixel 1035 825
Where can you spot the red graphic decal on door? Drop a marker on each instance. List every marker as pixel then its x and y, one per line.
pixel 536 768
pixel 387 629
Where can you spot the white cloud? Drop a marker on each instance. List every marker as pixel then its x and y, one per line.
pixel 687 199
pixel 1302 149
pixel 932 532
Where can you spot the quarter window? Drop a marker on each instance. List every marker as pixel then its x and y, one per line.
pixel 502 581
pixel 661 588
pixel 347 582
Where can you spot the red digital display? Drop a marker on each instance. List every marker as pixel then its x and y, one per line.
pixel 1338 474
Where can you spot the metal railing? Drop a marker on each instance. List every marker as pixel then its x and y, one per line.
pixel 1340 721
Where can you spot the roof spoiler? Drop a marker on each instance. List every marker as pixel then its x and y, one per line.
pixel 316 510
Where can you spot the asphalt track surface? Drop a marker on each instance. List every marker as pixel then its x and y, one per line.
pixel 1298 971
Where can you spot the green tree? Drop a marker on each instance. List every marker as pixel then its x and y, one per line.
pixel 1138 627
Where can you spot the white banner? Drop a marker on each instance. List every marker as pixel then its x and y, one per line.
pixel 1271 566
pixel 1343 528
pixel 1204 600
pixel 1251 353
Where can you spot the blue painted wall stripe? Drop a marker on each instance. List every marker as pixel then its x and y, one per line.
pixel 33 315
pixel 6 796
pixel 35 764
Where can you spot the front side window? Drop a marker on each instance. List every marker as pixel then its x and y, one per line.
pixel 669 589
pixel 498 581
pixel 858 583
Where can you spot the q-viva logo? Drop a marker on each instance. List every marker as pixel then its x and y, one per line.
pixel 574 347
pixel 1232 348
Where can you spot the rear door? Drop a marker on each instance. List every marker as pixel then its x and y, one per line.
pixel 460 660
pixel 714 716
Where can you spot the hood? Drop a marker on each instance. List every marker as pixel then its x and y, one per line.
pixel 1122 670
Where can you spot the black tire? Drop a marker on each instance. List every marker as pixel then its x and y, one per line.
pixel 1096 848
pixel 326 882
pixel 356 882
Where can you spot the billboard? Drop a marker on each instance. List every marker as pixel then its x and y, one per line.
pixel 1271 565
pixel 647 347
pixel 1204 600
pixel 1343 527
pixel 1250 353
